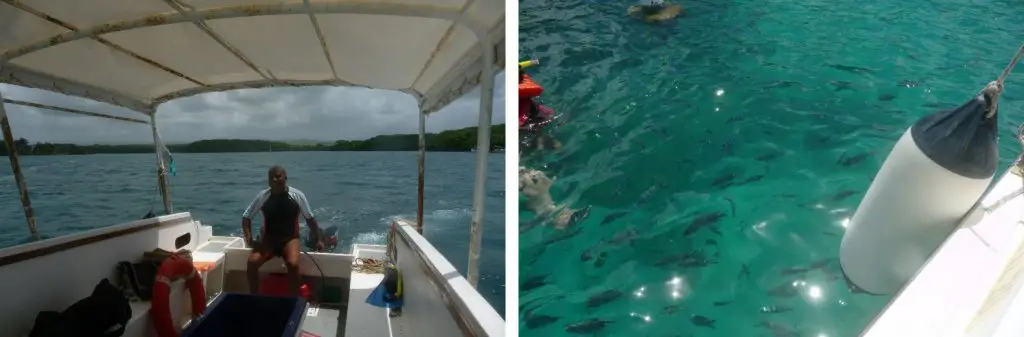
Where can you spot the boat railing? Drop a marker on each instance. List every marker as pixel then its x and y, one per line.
pixel 423 266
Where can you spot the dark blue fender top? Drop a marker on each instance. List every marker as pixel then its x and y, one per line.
pixel 961 140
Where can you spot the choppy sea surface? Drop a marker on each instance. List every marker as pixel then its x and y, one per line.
pixel 360 192
pixel 763 123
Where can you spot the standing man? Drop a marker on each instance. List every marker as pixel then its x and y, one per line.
pixel 281 206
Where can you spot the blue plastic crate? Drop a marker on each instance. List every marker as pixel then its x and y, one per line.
pixel 245 315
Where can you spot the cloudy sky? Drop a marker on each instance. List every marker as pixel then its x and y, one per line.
pixel 312 113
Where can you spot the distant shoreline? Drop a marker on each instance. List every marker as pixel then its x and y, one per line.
pixel 461 140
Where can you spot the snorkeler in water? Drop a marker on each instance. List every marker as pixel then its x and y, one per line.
pixel 656 10
pixel 534 117
pixel 536 186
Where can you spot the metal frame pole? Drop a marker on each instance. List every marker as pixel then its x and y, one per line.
pixel 483 150
pixel 12 153
pixel 423 159
pixel 165 192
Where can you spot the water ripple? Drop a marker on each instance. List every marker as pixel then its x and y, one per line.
pixel 751 109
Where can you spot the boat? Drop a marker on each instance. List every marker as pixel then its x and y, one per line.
pixel 141 54
pixel 954 262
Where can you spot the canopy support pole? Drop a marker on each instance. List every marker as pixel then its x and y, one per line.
pixel 423 160
pixel 483 151
pixel 12 153
pixel 165 192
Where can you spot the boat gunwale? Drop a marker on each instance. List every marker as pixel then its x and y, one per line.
pixel 31 250
pixel 452 298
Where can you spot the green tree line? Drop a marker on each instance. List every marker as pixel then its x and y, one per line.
pixel 460 140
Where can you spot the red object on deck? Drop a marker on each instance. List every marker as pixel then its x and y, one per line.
pixel 279 285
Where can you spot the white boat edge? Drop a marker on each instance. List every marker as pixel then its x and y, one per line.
pixel 971 286
pixel 438 300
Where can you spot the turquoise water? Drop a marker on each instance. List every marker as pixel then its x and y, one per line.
pixel 774 115
pixel 360 192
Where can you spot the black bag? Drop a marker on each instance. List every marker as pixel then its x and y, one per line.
pixel 104 313
pixel 138 278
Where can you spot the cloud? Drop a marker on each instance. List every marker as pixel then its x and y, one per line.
pixel 311 113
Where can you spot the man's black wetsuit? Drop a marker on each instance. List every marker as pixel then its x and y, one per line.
pixel 280 217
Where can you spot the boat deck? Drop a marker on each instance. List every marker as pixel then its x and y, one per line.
pixel 373 321
pixel 369 321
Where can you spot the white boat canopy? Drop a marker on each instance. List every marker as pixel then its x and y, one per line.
pixel 140 53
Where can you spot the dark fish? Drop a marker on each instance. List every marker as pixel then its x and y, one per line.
pixel 850 161
pixel 703 220
pixel 768 156
pixel 579 215
pixel 753 179
pixel 587 327
pixel 780 84
pixel 774 309
pixel 842 85
pixel 852 69
pixel 935 105
pixel 744 271
pixel 778 330
pixel 793 271
pixel 816 265
pixel 563 235
pixel 623 236
pixel 614 216
pixel 540 321
pixel 723 180
pixel 603 298
pixel 830 233
pixel 711 242
pixel 732 205
pixel 533 282
pixel 843 195
pixel 734 119
pixel 783 291
pixel 670 309
pixel 722 303
pixel 601 259
pixel 820 264
pixel 702 321
pixel 589 252
pixel 886 97
pixel 689 259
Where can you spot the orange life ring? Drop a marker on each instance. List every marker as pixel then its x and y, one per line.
pixel 173 268
pixel 528 88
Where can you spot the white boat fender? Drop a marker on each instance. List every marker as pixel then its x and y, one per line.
pixel 935 174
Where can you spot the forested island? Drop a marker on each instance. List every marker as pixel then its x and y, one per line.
pixel 460 140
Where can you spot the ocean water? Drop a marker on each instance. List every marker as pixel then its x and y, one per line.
pixel 360 192
pixel 772 115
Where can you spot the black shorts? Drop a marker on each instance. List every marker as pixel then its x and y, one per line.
pixel 273 245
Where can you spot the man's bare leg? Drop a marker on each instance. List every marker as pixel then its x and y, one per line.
pixel 292 252
pixel 257 258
